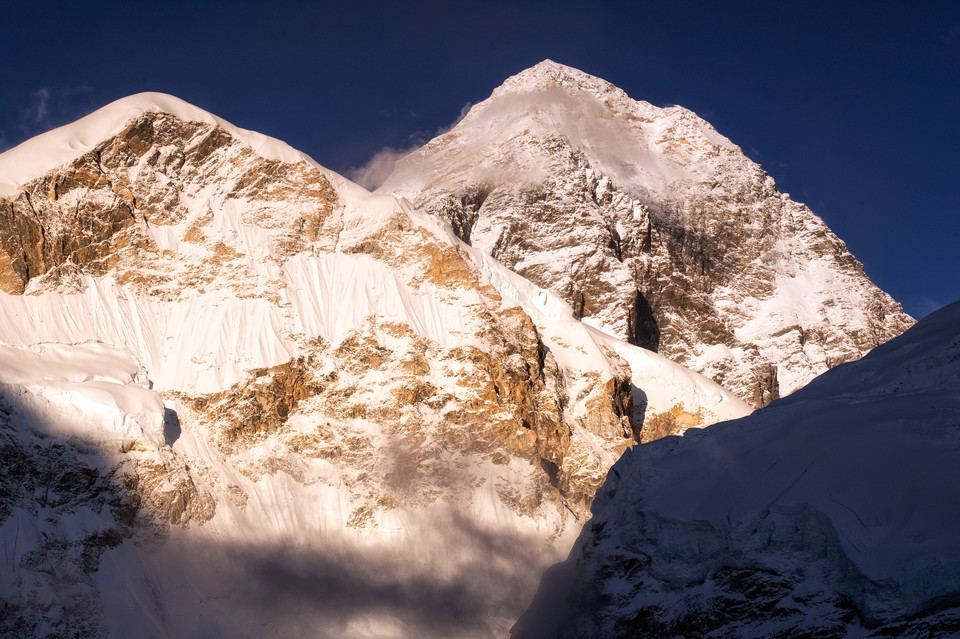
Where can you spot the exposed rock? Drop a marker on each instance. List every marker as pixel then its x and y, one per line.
pixel 260 406
pixel 672 422
pixel 768 388
pixel 95 213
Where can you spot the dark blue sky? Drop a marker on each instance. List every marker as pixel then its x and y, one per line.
pixel 854 108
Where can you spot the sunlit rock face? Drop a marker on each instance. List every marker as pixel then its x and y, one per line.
pixel 242 396
pixel 830 513
pixel 653 227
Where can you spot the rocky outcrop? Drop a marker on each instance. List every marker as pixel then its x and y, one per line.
pixel 259 406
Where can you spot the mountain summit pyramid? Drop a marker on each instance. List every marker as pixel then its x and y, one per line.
pixel 654 227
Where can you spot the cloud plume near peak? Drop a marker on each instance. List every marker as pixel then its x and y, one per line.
pixel 378 168
pixel 375 172
pixel 47 108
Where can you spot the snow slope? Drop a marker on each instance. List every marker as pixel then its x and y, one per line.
pixel 84 390
pixel 832 511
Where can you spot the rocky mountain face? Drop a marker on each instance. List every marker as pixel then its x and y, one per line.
pixel 236 385
pixel 830 513
pixel 654 228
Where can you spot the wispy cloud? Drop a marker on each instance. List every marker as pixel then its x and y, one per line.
pixel 372 174
pixel 378 168
pixel 48 107
pixel 36 112
pixel 464 110
pixel 925 305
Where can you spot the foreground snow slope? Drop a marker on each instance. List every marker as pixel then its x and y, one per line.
pixel 654 227
pixel 833 512
pixel 239 395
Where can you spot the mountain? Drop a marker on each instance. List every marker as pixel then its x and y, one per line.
pixel 830 513
pixel 242 396
pixel 654 227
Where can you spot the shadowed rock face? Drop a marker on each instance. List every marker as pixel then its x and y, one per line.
pixel 70 502
pixel 654 227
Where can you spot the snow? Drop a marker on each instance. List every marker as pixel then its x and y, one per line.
pixel 85 390
pixel 333 294
pixel 91 365
pixel 203 343
pixel 665 384
pixel 52 149
pixel 867 454
pixel 618 134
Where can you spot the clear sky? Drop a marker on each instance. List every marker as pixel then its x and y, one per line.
pixel 853 107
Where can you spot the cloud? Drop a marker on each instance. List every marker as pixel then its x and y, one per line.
pixel 36 112
pixel 464 110
pixel 375 172
pixel 925 305
pixel 378 168
pixel 458 581
pixel 48 108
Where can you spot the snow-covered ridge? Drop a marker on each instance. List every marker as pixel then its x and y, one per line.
pixel 40 154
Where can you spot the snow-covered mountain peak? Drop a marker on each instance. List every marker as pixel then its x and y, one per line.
pixel 654 227
pixel 549 74
pixel 57 147
pixel 641 147
pixel 553 82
